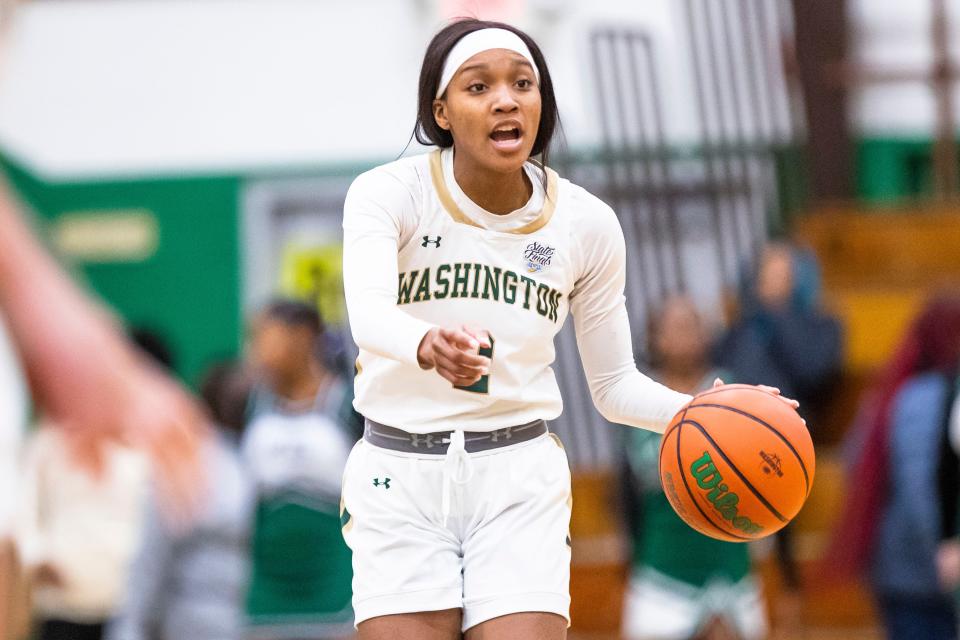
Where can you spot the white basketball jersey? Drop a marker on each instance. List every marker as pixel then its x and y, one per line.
pixel 516 282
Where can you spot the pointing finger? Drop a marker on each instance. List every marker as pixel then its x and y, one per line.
pixel 481 335
pixel 460 339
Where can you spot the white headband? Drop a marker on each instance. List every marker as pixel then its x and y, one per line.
pixel 476 42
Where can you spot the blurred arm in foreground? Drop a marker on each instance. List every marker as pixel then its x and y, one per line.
pixel 84 374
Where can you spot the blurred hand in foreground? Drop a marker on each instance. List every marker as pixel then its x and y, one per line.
pixel 86 376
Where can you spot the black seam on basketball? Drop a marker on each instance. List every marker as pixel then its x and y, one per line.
pixel 693 499
pixel 728 387
pixel 733 468
pixel 664 437
pixel 774 430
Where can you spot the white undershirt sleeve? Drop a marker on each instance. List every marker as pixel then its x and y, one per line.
pixel 620 392
pixel 378 214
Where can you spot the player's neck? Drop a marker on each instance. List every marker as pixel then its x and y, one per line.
pixel 495 192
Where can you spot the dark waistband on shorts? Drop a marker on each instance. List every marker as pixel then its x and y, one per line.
pixel 436 443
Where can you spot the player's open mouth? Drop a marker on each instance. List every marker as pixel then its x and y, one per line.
pixel 506 138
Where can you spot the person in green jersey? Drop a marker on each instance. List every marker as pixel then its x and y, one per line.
pixel 683 584
pixel 296 445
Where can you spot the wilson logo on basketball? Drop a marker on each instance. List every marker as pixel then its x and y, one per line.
pixel 709 479
pixel 771 464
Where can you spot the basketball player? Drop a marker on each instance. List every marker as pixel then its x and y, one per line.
pixel 457 501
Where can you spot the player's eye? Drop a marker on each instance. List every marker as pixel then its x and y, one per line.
pixel 476 87
pixel 524 83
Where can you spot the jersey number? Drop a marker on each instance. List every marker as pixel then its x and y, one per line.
pixel 483 384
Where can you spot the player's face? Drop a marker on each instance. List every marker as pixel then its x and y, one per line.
pixel 492 109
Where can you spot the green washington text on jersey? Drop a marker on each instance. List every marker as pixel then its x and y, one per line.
pixel 472 280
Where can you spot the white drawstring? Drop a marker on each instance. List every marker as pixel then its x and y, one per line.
pixel 456 461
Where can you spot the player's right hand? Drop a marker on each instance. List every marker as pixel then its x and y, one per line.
pixel 453 352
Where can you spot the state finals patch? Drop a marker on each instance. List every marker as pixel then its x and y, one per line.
pixel 537 257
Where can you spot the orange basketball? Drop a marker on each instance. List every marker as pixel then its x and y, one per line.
pixel 737 463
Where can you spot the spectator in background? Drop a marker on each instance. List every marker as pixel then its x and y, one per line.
pixel 190 584
pixel 82 502
pixel 81 518
pixel 781 337
pixel 683 584
pixel 296 446
pixel 892 525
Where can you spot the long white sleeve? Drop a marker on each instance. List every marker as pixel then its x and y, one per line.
pixel 621 393
pixel 378 216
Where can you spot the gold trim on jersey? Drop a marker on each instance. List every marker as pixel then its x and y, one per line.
pixel 443 193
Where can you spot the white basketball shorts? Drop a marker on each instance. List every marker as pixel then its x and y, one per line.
pixel 504 548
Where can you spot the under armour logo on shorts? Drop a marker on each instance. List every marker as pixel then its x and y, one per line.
pixel 427 242
pixel 385 483
pixel 426 440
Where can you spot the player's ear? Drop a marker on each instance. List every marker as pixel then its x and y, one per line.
pixel 439 115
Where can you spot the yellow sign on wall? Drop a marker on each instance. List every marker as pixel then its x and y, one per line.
pixel 314 273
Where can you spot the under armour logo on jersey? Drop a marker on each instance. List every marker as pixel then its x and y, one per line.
pixel 385 483
pixel 427 242
pixel 496 434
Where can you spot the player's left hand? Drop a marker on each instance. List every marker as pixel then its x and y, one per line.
pixel 790 401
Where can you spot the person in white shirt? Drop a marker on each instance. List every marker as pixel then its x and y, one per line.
pixel 79 528
pixel 80 519
pixel 460 266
